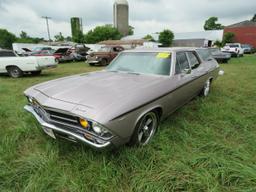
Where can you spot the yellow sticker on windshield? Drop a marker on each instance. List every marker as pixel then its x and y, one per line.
pixel 163 55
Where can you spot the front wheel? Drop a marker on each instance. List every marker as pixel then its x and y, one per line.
pixel 145 129
pixel 206 90
pixel 104 62
pixel 15 72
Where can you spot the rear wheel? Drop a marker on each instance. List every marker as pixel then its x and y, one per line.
pixel 104 62
pixel 206 90
pixel 145 129
pixel 15 72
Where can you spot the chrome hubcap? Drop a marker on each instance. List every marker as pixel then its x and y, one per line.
pixel 15 72
pixel 147 128
pixel 207 88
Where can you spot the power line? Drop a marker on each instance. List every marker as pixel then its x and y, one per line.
pixel 47 25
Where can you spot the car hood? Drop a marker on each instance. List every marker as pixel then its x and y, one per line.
pixel 101 90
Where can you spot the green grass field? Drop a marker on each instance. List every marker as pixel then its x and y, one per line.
pixel 208 145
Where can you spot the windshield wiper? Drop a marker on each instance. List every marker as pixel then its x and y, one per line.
pixel 114 71
pixel 134 73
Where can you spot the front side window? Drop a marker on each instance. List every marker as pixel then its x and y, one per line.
pixel 117 49
pixel 144 63
pixel 181 63
pixel 105 49
pixel 194 62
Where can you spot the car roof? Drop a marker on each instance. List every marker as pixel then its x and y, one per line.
pixel 169 49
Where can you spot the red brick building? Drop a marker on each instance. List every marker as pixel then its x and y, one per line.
pixel 245 32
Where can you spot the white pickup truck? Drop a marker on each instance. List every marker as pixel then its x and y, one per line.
pixel 16 66
pixel 235 49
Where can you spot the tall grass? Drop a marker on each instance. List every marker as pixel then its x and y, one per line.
pixel 208 145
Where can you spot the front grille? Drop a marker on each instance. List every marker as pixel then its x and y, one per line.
pixel 61 117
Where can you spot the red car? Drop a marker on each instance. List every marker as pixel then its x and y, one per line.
pixel 61 55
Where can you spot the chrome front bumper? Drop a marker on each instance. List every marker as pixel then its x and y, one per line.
pixel 46 126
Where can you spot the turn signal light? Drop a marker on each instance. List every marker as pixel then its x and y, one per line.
pixel 83 123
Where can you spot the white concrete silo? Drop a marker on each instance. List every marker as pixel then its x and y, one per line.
pixel 121 16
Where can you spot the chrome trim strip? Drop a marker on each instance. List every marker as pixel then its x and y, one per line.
pixel 50 126
pixel 62 118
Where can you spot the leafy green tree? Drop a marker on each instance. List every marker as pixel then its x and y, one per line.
pixel 59 37
pixel 149 38
pixel 24 35
pixel 25 38
pixel 6 39
pixel 131 30
pixel 68 38
pixel 166 37
pixel 102 33
pixel 218 43
pixel 254 18
pixel 210 24
pixel 228 38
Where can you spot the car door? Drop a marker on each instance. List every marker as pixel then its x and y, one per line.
pixel 180 82
pixel 197 72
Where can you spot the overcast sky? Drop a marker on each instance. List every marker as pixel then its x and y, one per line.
pixel 147 16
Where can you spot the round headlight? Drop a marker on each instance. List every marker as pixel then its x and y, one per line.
pixel 97 129
pixel 30 100
pixel 84 123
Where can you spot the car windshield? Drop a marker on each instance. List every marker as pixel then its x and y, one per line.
pixel 233 46
pixel 246 46
pixel 143 63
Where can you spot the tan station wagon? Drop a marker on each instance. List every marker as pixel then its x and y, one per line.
pixel 125 102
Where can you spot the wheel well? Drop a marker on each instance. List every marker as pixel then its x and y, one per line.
pixel 159 111
pixel 9 66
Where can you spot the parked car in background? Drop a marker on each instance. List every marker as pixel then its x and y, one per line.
pixel 248 49
pixel 221 57
pixel 104 55
pixel 125 102
pixel 208 54
pixel 16 66
pixel 79 52
pixel 63 55
pixel 235 49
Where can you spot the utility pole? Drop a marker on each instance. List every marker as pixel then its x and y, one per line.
pixel 47 25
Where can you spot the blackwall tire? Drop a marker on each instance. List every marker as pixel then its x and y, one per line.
pixel 15 72
pixel 206 89
pixel 145 129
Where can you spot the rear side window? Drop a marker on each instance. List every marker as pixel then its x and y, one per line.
pixel 181 62
pixel 193 60
pixel 7 54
